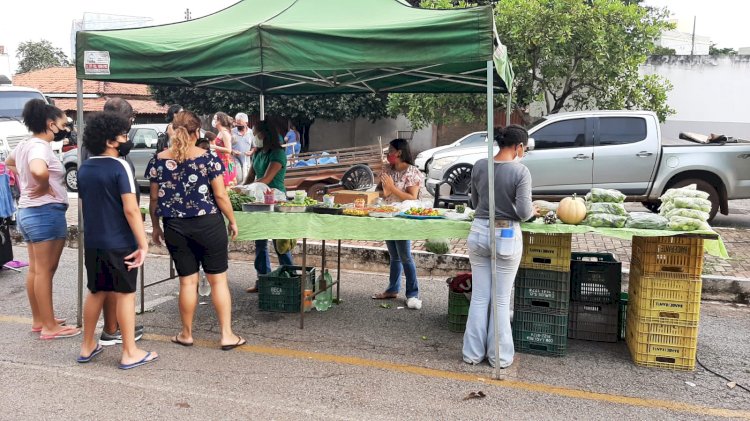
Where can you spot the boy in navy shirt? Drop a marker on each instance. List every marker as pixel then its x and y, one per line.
pixel 114 239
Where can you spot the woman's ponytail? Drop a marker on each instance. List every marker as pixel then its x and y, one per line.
pixel 185 125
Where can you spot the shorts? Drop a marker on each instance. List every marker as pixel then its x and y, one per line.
pixel 43 223
pixel 106 270
pixel 195 242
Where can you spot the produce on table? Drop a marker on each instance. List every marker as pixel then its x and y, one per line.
pixel 688 213
pixel 460 208
pixel 437 246
pixel 646 220
pixel 605 220
pixel 692 203
pixel 545 207
pixel 605 207
pixel 572 210
pixel 384 209
pixel 679 223
pixel 550 218
pixel 687 191
pixel 355 212
pixel 597 195
pixel 422 212
pixel 237 199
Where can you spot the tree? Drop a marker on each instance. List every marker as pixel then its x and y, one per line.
pixel 713 50
pixel 303 110
pixel 39 55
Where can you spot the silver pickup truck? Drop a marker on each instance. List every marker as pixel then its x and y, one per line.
pixel 623 150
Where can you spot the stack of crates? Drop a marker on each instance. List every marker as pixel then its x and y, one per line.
pixel 596 281
pixel 664 297
pixel 542 295
pixel 458 311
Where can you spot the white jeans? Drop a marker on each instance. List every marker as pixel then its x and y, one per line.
pixel 479 338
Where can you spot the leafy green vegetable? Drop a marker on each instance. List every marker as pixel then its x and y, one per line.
pixel 237 199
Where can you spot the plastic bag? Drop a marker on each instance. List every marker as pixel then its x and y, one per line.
pixel 679 223
pixel 646 220
pixel 598 195
pixel 545 207
pixel 687 191
pixel 688 213
pixel 605 220
pixel 611 208
pixel 692 203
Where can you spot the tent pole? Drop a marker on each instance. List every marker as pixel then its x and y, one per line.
pixel 79 117
pixel 491 233
pixel 508 106
pixel 262 107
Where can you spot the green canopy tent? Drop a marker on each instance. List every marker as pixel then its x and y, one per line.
pixel 308 47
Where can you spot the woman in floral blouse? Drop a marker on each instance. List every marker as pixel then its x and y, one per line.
pixel 401 180
pixel 187 192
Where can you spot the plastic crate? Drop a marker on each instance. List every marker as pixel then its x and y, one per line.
pixel 594 321
pixel 680 257
pixel 664 300
pixel 595 277
pixel 665 346
pixel 623 304
pixel 540 333
pixel 546 251
pixel 281 293
pixel 458 311
pixel 543 290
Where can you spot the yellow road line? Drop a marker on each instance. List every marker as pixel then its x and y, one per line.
pixel 456 376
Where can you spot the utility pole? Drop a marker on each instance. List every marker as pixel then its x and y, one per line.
pixel 692 43
pixel 187 14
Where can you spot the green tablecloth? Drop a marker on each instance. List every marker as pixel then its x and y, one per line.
pixel 260 225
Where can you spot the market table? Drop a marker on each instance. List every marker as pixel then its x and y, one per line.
pixel 268 225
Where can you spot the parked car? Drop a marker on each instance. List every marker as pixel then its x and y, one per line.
pixel 144 137
pixel 424 158
pixel 622 150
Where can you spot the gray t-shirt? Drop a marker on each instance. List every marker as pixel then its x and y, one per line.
pixel 512 191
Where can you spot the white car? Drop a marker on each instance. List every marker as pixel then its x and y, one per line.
pixel 425 158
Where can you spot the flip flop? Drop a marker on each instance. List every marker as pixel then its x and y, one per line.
pixel 144 361
pixel 241 341
pixel 67 332
pixel 93 354
pixel 384 296
pixel 176 340
pixel 60 322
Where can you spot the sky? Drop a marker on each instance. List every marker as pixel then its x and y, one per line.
pixel 724 21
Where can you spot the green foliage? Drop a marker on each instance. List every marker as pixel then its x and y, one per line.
pixel 425 109
pixel 39 55
pixel 663 51
pixel 713 50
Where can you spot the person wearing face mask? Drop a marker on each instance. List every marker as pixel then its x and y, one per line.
pixel 269 167
pixel 242 143
pixel 401 180
pixel 223 146
pixel 41 211
pixel 115 240
pixel 512 206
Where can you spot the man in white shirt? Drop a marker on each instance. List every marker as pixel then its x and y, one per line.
pixel 242 143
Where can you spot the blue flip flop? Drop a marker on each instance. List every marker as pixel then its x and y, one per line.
pixel 144 361
pixel 93 354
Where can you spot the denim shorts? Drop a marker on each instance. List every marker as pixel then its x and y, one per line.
pixel 43 223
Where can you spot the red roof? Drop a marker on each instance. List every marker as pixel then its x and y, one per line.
pixel 97 104
pixel 62 80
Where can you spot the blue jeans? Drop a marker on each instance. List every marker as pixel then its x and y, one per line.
pixel 479 338
pixel 43 223
pixel 400 251
pixel 263 260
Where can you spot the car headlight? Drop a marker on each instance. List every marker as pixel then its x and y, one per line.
pixel 441 163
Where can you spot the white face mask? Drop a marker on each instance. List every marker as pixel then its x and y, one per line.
pixel 258 142
pixel 518 158
pixel 213 123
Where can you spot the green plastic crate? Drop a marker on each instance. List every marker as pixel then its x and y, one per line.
pixel 280 293
pixel 540 333
pixel 458 311
pixel 543 291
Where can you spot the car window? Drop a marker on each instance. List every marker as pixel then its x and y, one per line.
pixel 474 140
pixel 621 130
pixel 561 134
pixel 145 138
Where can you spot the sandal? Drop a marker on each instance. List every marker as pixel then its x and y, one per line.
pixel 384 296
pixel 60 322
pixel 176 340
pixel 240 341
pixel 65 332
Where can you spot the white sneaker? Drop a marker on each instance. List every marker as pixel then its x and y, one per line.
pixel 414 303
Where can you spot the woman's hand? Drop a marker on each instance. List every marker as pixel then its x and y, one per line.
pixel 157 235
pixel 536 210
pixel 232 230
pixel 387 181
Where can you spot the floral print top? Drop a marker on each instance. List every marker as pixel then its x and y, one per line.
pixel 185 189
pixel 409 177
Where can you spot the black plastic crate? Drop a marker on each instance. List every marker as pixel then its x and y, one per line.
pixel 623 314
pixel 595 277
pixel 543 291
pixel 280 289
pixel 540 333
pixel 594 321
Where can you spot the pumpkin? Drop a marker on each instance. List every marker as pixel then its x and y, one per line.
pixel 572 210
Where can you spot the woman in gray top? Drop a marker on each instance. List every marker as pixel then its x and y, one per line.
pixel 512 205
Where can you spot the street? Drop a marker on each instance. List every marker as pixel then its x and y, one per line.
pixel 356 361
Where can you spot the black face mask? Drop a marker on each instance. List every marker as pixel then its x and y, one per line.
pixel 124 148
pixel 60 135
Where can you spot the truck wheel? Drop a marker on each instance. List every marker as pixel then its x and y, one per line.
pixel 713 195
pixel 71 178
pixel 652 206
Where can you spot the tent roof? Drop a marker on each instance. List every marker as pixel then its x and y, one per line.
pixel 305 47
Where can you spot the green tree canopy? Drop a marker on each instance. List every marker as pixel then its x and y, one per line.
pixel 39 55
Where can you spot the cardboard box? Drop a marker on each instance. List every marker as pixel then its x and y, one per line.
pixel 349 196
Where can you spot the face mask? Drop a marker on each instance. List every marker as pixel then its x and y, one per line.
pixel 213 123
pixel 518 158
pixel 391 158
pixel 124 148
pixel 258 142
pixel 60 135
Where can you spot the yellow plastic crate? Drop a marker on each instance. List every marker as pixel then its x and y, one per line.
pixel 664 346
pixel 663 299
pixel 546 251
pixel 680 257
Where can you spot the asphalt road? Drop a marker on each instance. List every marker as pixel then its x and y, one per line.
pixel 355 361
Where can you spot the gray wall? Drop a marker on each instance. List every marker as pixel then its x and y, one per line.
pixel 326 135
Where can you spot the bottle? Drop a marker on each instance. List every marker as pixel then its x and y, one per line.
pixel 507 242
pixel 204 288
pixel 324 299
